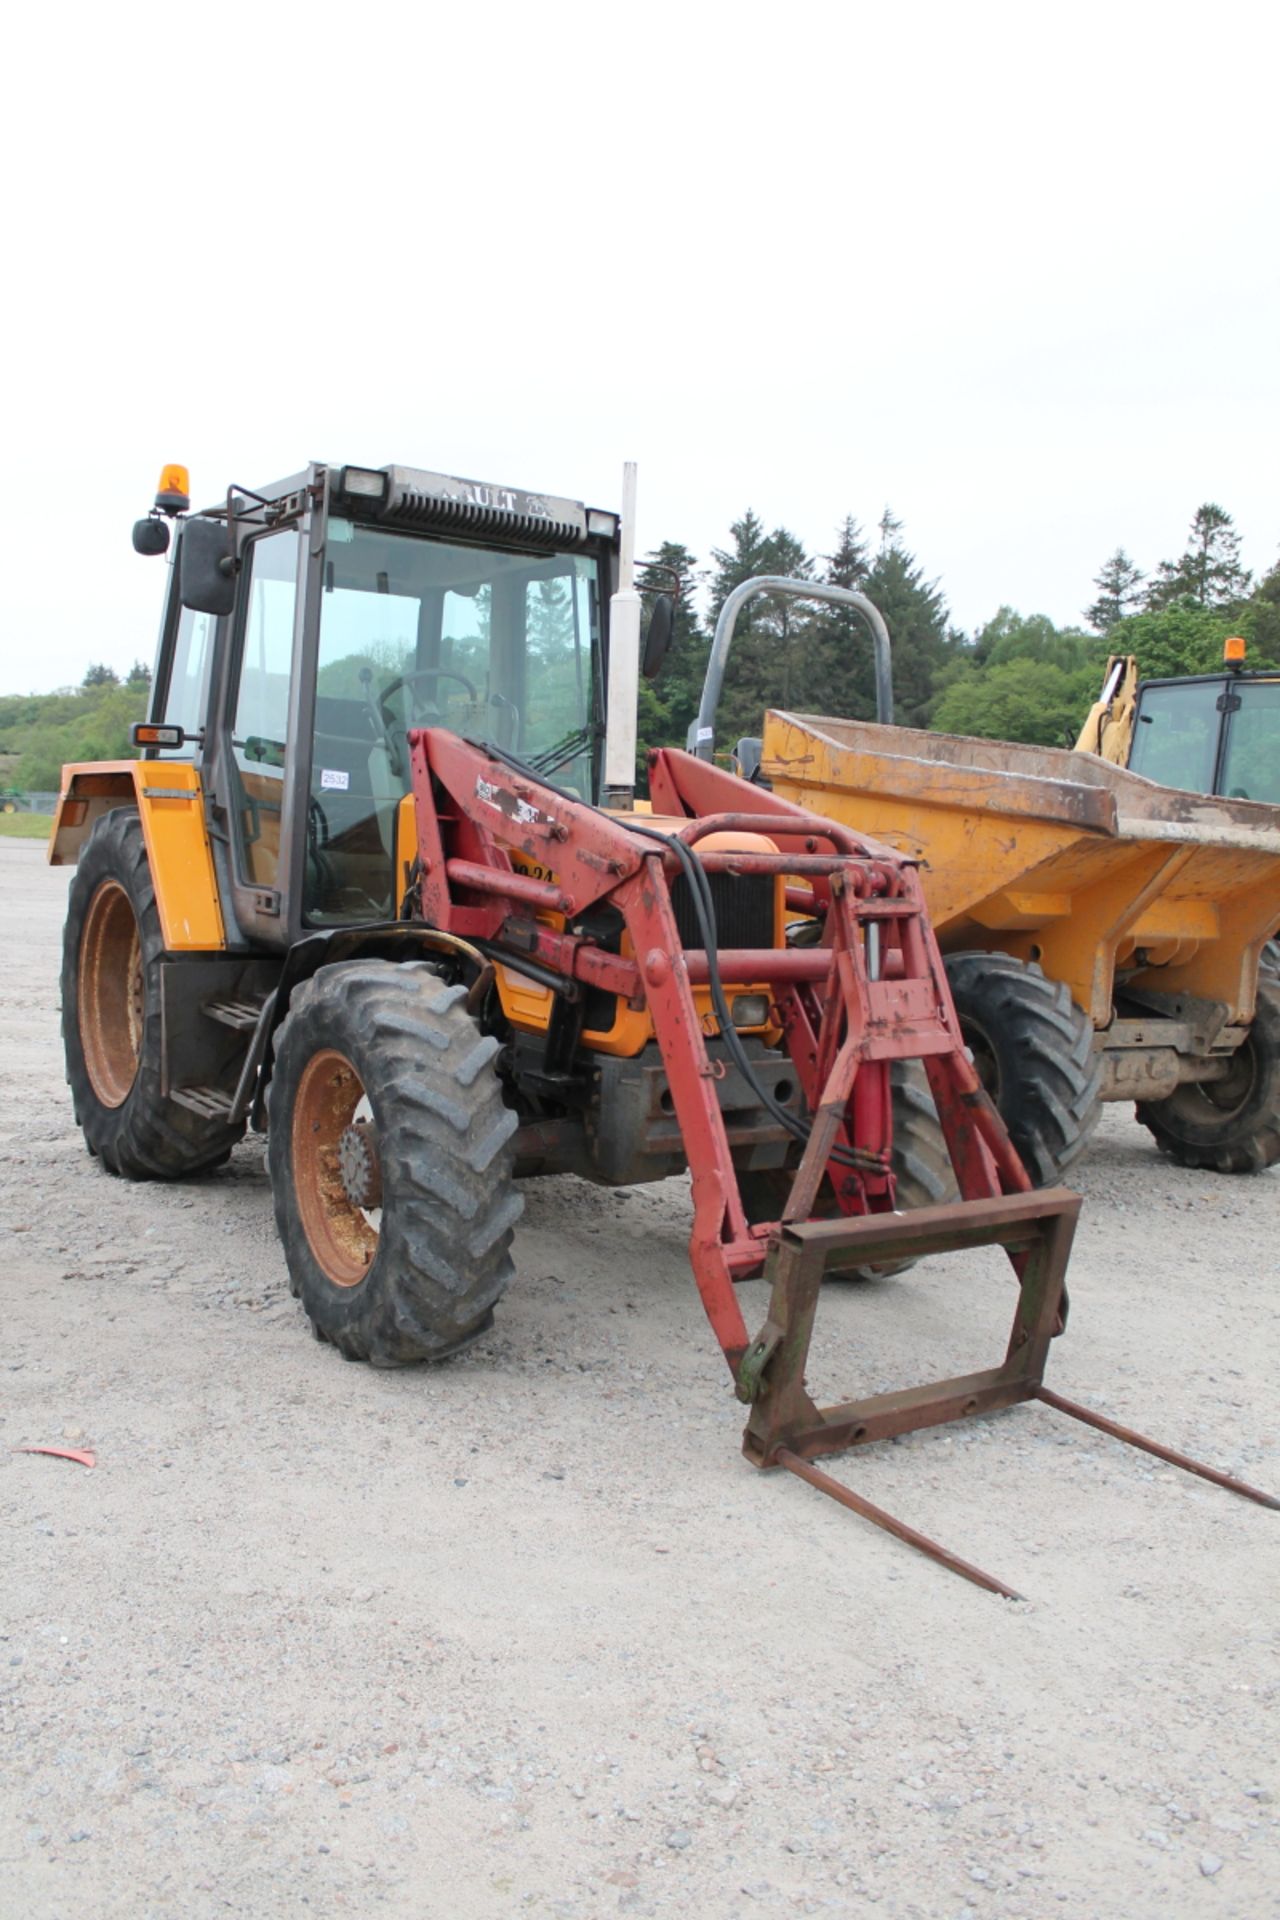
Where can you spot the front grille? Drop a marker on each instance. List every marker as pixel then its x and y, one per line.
pixel 743 910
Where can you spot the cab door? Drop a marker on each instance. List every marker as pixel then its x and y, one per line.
pixel 259 736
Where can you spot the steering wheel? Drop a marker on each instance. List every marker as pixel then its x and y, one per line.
pixel 384 719
pixel 426 673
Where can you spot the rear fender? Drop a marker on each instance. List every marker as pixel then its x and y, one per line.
pixel 170 801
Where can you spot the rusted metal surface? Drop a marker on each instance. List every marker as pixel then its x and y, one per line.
pixel 1132 1438
pixel 109 986
pixel 872 991
pixel 875 992
pixel 805 1470
pixel 1035 1231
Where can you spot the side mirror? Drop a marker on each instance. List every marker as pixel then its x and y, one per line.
pixel 748 757
pixel 151 535
pixel 207 568
pixel 657 641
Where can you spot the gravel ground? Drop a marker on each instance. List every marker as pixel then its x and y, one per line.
pixel 525 1635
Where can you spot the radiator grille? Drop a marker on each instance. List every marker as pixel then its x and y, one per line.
pixel 743 908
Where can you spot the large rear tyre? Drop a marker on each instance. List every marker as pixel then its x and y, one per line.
pixel 111 953
pixel 1231 1125
pixel 389 1149
pixel 1033 1050
pixel 921 1165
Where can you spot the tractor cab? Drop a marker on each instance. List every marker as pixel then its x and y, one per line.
pixel 1211 733
pixel 309 627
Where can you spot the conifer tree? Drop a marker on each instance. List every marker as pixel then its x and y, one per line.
pixel 1209 572
pixel 918 621
pixel 1119 587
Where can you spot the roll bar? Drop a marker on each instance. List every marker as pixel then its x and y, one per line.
pixel 702 734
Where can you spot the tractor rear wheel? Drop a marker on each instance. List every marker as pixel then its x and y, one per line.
pixel 1033 1051
pixel 1230 1125
pixel 921 1165
pixel 111 954
pixel 389 1150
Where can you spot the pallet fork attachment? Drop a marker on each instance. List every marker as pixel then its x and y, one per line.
pixel 787 1430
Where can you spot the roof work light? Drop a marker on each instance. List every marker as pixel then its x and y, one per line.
pixel 173 495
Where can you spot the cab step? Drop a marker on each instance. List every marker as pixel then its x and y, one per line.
pixel 211 1103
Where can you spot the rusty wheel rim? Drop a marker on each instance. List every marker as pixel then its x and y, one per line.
pixel 111 997
pixel 341 1234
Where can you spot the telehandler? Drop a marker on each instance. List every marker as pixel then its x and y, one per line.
pixel 376 883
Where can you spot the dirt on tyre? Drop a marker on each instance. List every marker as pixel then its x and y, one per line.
pixel 1230 1125
pixel 389 1147
pixel 1034 1053
pixel 921 1165
pixel 111 954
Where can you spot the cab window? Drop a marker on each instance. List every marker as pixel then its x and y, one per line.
pixel 1175 736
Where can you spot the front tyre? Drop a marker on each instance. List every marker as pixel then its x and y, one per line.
pixel 1230 1125
pixel 390 1155
pixel 111 954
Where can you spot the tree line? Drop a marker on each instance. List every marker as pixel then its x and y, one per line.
pixel 1018 677
pixel 40 732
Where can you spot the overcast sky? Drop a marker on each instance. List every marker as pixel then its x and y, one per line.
pixel 1011 269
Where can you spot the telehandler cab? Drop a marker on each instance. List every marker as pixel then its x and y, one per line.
pixel 376 883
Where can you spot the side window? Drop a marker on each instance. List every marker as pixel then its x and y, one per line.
pixel 1175 738
pixel 260 720
pixel 184 701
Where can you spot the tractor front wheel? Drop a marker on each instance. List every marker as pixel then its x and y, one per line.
pixel 389 1150
pixel 1033 1051
pixel 111 1030
pixel 1230 1125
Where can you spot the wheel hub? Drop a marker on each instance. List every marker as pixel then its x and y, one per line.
pixel 359 1166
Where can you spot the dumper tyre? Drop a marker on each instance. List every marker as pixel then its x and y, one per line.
pixel 111 1024
pixel 1269 961
pixel 1230 1125
pixel 1034 1052
pixel 921 1165
pixel 389 1147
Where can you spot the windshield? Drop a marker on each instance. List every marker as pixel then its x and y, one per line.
pixel 417 633
pixel 1175 736
pixel 1251 768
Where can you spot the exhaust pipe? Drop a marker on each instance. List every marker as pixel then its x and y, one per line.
pixel 619 785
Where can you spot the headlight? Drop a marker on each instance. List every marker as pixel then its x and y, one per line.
pixel 751 1010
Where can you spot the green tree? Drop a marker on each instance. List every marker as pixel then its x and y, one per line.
pixel 101 675
pixel 139 674
pixel 39 733
pixel 1259 620
pixel 1209 571
pixel 768 659
pixel 842 669
pixel 669 706
pixel 1018 699
pixel 1010 635
pixel 918 621
pixel 1186 638
pixel 1119 587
